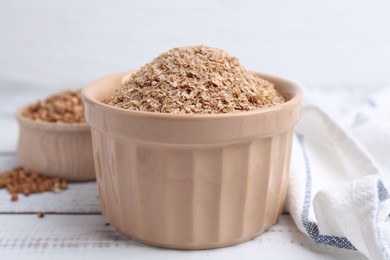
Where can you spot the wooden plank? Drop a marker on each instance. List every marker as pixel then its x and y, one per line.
pixel 79 198
pixel 68 236
pixel 8 135
pixel 7 160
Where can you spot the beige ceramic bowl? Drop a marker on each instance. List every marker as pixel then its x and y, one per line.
pixel 191 181
pixel 56 149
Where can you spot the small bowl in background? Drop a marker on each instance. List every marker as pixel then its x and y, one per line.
pixel 61 150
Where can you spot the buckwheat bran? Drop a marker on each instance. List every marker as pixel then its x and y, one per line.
pixel 192 80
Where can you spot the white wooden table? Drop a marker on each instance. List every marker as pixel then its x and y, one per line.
pixel 73 227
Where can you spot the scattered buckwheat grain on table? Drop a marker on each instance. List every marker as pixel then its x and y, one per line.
pixel 24 181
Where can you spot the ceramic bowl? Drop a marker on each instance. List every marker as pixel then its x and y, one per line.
pixel 191 181
pixel 56 149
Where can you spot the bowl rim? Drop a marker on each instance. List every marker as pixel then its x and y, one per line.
pixel 52 126
pixel 293 102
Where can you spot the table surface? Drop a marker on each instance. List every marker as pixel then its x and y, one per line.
pixel 73 226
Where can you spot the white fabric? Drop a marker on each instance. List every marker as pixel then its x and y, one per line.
pixel 337 188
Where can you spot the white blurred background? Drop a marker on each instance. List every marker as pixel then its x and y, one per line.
pixel 66 44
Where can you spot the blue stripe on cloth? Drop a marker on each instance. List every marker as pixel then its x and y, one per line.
pixel 310 226
pixel 383 195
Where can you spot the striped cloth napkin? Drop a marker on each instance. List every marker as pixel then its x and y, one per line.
pixel 337 188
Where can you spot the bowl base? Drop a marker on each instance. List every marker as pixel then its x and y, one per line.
pixel 195 246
